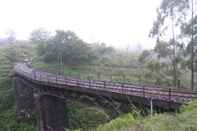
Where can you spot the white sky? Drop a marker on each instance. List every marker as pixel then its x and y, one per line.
pixel 120 23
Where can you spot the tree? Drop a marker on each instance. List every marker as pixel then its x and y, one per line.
pixel 144 55
pixel 39 36
pixel 190 29
pixel 174 10
pixel 102 52
pixel 162 49
pixel 11 37
pixel 66 48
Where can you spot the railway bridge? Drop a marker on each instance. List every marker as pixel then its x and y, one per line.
pixel 47 94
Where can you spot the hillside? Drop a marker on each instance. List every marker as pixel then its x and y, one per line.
pixel 8 120
pixel 87 117
pixel 186 120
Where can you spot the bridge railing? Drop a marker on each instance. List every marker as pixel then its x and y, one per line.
pixel 121 88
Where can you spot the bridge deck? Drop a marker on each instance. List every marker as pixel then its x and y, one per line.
pixel 146 92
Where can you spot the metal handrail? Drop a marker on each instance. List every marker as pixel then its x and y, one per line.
pixel 121 88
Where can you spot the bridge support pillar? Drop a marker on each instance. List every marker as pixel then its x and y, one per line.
pixel 24 99
pixel 52 113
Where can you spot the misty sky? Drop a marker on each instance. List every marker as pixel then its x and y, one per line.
pixel 120 23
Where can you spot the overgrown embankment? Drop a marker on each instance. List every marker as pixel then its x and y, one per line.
pixel 84 116
pixel 186 120
pixel 8 120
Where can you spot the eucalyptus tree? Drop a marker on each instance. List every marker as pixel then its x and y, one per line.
pixel 171 15
pixel 189 29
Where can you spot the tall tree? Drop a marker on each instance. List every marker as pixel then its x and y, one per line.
pixel 190 30
pixel 175 11
pixel 192 48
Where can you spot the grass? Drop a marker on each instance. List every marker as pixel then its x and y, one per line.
pixel 116 74
pixel 100 72
pixel 118 123
pixel 186 120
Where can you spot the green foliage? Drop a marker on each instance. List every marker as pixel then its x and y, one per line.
pixel 65 47
pixel 167 9
pixel 82 116
pixel 19 53
pixel 118 123
pixel 8 120
pixel 191 107
pixel 186 120
pixel 39 36
pixel 159 64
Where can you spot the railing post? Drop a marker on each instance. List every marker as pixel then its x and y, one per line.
pixel 104 82
pixel 122 86
pixel 40 76
pixel 78 83
pixel 56 78
pixel 169 93
pixel 143 91
pixel 48 78
pixel 34 72
pixel 65 80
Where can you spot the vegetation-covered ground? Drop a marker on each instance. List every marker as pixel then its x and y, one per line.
pixel 167 65
pixel 8 120
pixel 183 121
pixel 81 115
